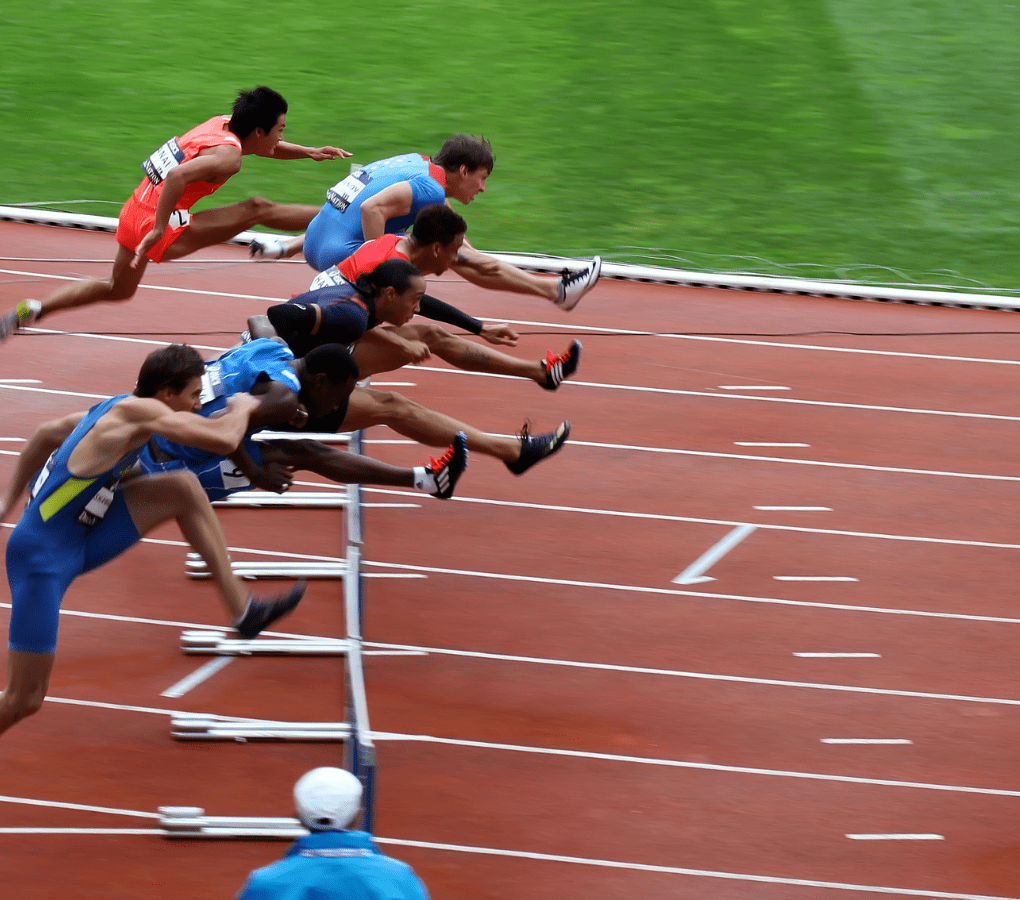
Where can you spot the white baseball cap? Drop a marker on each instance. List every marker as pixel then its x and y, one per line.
pixel 327 799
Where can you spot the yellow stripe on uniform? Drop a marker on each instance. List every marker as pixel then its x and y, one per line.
pixel 62 496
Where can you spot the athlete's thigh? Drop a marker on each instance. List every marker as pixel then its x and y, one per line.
pixel 42 562
pixel 112 536
pixel 154 499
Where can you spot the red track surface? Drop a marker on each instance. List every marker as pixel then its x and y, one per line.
pixel 606 731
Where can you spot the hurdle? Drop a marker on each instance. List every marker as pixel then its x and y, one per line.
pixel 353 733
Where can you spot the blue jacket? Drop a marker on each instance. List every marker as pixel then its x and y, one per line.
pixel 334 865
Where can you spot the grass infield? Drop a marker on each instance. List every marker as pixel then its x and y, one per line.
pixel 866 139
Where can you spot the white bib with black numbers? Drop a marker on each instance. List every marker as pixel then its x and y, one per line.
pixel 343 194
pixel 233 480
pixel 329 278
pixel 167 157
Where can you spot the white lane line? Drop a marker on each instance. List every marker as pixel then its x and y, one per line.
pixel 821 348
pixel 839 655
pixel 694 573
pixel 669 592
pixel 394 384
pixel 660 517
pixel 868 407
pixel 676 452
pixel 81 831
pixel 866 741
pixel 768 444
pixel 752 387
pixel 202 673
pixel 699 873
pixel 393 575
pixel 896 837
pixel 794 508
pixel 813 578
pixel 56 804
pixel 20 381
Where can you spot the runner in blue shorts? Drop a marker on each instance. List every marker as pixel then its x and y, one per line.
pixel 88 504
pixel 289 389
pixel 385 196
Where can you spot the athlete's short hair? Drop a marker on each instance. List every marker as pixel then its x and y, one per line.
pixel 394 273
pixel 259 108
pixel 438 224
pixel 334 360
pixel 173 367
pixel 465 150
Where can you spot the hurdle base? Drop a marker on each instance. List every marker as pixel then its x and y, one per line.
pixel 290 500
pixel 334 570
pixel 183 822
pixel 216 643
pixel 204 727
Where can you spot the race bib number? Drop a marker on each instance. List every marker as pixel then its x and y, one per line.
pixel 167 157
pixel 330 278
pixel 212 384
pixel 232 478
pixel 97 507
pixel 343 194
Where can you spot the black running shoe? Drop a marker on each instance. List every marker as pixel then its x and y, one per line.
pixel 449 467
pixel 259 614
pixel 559 368
pixel 535 449
pixel 574 285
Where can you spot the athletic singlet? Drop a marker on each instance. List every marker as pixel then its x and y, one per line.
pixel 212 133
pixel 343 318
pixel 361 262
pixel 64 501
pixel 236 372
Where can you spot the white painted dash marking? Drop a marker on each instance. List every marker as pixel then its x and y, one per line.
pixel 13 440
pixel 839 655
pixel 813 578
pixel 394 384
pixel 198 676
pixel 866 741
pixel 752 387
pixel 769 444
pixel 20 381
pixel 794 508
pixel 896 837
pixel 694 573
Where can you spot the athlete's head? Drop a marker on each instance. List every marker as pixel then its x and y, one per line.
pixel 465 150
pixel 259 108
pixel 327 799
pixel 328 375
pixel 439 234
pixel 396 286
pixel 468 161
pixel 173 374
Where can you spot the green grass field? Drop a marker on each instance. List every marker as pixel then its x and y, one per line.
pixel 849 138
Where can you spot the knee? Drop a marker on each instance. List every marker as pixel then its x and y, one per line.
pixel 258 207
pixel 118 291
pixel 183 486
pixel 394 405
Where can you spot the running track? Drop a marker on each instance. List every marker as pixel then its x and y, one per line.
pixel 612 677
